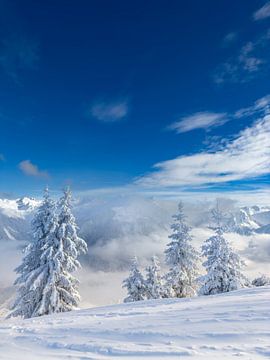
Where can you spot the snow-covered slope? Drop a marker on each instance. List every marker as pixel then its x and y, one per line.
pixel 211 327
pixel 15 216
pixel 248 220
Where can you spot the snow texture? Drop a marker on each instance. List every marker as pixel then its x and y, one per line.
pixel 224 326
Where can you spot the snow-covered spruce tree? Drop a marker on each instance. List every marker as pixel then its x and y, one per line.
pixel 262 280
pixel 30 286
pixel 223 265
pixel 135 284
pixel 153 282
pixel 50 287
pixel 182 258
pixel 62 251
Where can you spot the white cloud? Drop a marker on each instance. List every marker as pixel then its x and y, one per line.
pixel 199 120
pixel 245 157
pixel 263 12
pixel 2 158
pixel 109 111
pixel 207 120
pixel 29 169
pixel 244 66
pixel 244 197
pixel 261 105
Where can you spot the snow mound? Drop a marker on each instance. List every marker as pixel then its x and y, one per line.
pixel 210 327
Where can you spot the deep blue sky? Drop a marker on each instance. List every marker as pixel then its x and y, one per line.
pixel 88 89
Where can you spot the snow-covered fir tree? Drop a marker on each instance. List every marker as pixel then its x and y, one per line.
pixel 223 265
pixel 135 284
pixel 61 293
pixel 46 283
pixel 30 289
pixel 154 282
pixel 182 258
pixel 262 280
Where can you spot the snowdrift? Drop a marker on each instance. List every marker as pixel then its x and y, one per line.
pixel 209 327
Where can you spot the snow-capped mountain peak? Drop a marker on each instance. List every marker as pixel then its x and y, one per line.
pixel 248 220
pixel 26 203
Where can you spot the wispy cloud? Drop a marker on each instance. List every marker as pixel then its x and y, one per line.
pixel 263 12
pixel 2 158
pixel 18 53
pixel 199 120
pixel 109 111
pixel 229 38
pixel 261 106
pixel 207 120
pixel 247 59
pixel 30 169
pixel 247 156
pixel 246 64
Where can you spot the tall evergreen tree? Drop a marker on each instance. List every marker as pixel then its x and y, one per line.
pixel 223 264
pixel 153 282
pixel 182 259
pixel 48 286
pixel 30 289
pixel 62 251
pixel 135 284
pixel 67 234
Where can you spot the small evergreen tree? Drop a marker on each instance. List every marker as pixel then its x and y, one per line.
pixel 223 264
pixel 182 258
pixel 262 280
pixel 153 282
pixel 135 284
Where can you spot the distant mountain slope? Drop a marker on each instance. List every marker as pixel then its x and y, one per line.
pixel 247 220
pixel 225 326
pixel 15 216
pixel 99 219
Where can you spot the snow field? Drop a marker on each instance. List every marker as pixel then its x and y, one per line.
pixel 225 326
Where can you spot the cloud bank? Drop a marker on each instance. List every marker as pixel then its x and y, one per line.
pixel 117 227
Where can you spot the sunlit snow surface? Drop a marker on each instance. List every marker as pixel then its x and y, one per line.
pixel 226 326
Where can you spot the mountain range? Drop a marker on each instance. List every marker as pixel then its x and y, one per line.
pixel 99 219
